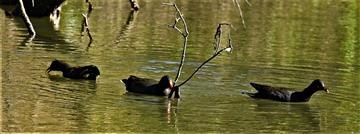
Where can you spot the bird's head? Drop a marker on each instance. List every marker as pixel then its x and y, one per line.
pixel 319 85
pixel 57 65
pixel 166 82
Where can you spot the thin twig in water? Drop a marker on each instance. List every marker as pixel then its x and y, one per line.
pixel 185 34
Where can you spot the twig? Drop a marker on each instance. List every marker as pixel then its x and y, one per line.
pixel 197 69
pixel 240 12
pixel 185 34
pixel 217 38
pixel 26 19
pixel 134 5
pixel 86 26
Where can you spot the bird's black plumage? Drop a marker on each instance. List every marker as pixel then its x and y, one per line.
pixel 287 94
pixel 89 72
pixel 149 86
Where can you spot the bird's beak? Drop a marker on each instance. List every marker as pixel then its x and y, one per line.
pixel 48 70
pixel 326 90
pixel 171 83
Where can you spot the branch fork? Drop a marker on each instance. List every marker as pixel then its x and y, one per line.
pixel 185 34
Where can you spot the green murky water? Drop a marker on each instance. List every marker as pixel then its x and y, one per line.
pixel 286 43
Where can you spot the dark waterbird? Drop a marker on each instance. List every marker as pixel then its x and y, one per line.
pixel 89 72
pixel 287 94
pixel 149 86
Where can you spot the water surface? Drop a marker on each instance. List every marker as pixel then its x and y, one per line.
pixel 286 43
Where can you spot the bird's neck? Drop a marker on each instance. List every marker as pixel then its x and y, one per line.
pixel 310 90
pixel 305 95
pixel 166 91
pixel 65 67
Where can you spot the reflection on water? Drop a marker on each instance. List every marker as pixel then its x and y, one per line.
pixel 286 43
pixel 286 117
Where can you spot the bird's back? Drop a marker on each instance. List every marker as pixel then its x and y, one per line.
pixel 142 85
pixel 269 92
pixel 85 72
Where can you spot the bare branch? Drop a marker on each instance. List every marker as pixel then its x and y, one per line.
pixel 198 68
pixel 178 16
pixel 217 38
pixel 184 33
pixel 26 19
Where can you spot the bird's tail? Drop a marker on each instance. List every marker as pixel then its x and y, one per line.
pixel 124 81
pixel 248 93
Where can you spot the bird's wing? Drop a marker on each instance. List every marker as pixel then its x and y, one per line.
pixel 268 89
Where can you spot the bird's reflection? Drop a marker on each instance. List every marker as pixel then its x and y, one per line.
pixel 69 99
pixel 280 116
pixel 168 108
pixel 55 18
pixel 90 84
pixel 125 29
